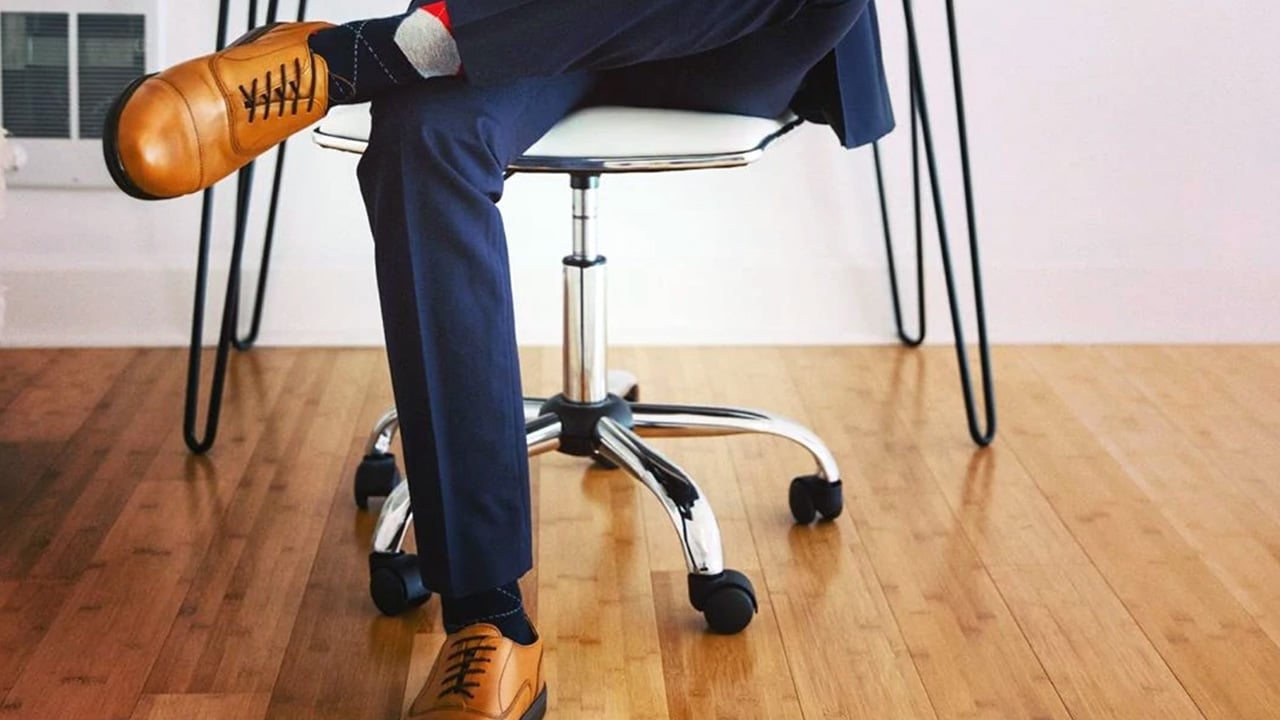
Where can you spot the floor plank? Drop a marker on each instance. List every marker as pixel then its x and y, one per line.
pixel 52 437
pixel 111 454
pixel 596 608
pixel 708 675
pixel 18 370
pixel 1116 553
pixel 338 634
pixel 1217 651
pixel 202 707
pixel 27 608
pixel 248 597
pixel 1223 403
pixel 54 532
pixel 1233 534
pixel 1098 658
pixel 843 643
pixel 59 396
pixel 965 642
pixel 102 645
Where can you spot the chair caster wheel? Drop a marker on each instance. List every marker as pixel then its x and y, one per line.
pixel 395 583
pixel 727 600
pixel 811 496
pixel 376 477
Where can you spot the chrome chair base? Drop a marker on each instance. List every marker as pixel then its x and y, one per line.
pixel 598 415
pixel 615 432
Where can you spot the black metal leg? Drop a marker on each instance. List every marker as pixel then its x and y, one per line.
pixel 921 131
pixel 247 342
pixel 196 442
pixel 201 442
pixel 918 338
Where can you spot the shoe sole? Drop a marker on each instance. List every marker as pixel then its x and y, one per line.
pixel 111 134
pixel 538 709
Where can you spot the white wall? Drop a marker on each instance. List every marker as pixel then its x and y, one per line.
pixel 1124 157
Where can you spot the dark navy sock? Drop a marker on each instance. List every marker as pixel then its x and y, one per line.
pixel 367 57
pixel 363 59
pixel 502 607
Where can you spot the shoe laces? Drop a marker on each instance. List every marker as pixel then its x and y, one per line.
pixel 467 654
pixel 279 92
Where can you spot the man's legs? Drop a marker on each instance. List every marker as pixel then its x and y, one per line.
pixel 431 177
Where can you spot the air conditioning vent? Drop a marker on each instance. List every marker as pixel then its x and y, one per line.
pixel 62 64
pixel 35 76
pixel 113 51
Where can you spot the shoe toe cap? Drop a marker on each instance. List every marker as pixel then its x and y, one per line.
pixel 157 142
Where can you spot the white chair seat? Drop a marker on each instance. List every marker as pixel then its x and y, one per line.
pixel 611 139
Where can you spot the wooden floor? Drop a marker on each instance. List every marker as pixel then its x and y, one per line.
pixel 1116 554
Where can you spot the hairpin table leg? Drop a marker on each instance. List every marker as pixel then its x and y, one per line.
pixel 227 338
pixel 981 430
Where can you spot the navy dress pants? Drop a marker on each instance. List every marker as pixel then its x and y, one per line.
pixel 432 177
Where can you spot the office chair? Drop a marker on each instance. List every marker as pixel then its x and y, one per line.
pixel 598 413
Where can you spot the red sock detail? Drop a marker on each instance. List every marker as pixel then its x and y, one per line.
pixel 441 12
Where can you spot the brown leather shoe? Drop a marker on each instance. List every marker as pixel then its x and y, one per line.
pixel 182 130
pixel 481 675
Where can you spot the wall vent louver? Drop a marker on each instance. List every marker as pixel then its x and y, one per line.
pixel 62 63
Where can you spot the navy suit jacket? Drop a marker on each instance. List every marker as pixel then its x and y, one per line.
pixel 847 90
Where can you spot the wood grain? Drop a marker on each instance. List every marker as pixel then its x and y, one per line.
pixel 249 596
pixel 1218 652
pixel 595 599
pixel 52 437
pixel 98 651
pixel 1226 525
pixel 971 654
pixel 61 390
pixel 1116 553
pixel 337 635
pixel 19 368
pixel 842 642
pixel 1098 658
pixel 201 707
